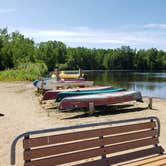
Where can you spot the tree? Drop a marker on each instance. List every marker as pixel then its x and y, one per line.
pixel 52 53
pixel 16 49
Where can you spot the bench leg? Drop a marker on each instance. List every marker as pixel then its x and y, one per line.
pixel 103 156
pixel 150 103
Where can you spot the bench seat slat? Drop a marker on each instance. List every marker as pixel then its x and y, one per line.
pixel 47 140
pixel 100 162
pixel 156 163
pixel 66 158
pixel 69 147
pixel 131 145
pixel 135 155
pixel 148 161
pixel 93 163
pixel 127 157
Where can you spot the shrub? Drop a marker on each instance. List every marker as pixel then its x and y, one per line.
pixel 27 71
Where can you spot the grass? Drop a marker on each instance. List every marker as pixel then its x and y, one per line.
pixel 27 71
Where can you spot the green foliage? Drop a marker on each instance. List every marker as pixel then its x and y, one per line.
pixel 52 53
pixel 27 71
pixel 22 59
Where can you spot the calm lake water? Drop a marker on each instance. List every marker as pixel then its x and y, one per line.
pixel 150 84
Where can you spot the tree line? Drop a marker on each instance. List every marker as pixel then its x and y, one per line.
pixel 16 51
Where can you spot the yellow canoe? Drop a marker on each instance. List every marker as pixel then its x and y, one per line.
pixel 70 76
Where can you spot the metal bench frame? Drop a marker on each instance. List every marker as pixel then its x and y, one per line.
pixel 36 132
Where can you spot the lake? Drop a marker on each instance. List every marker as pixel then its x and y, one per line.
pixel 151 84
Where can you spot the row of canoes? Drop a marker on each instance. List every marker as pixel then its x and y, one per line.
pixel 77 97
pixel 69 99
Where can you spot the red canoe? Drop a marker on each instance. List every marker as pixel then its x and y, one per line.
pixel 71 103
pixel 52 94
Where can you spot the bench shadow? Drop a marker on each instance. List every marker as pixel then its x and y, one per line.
pixel 107 110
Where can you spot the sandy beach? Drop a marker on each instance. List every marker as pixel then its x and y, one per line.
pixel 20 111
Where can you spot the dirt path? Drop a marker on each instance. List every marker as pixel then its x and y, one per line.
pixel 22 112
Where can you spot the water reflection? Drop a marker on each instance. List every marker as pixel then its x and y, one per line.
pixel 150 84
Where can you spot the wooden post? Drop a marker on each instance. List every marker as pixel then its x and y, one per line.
pixel 80 72
pixel 91 108
pixel 150 103
pixel 48 113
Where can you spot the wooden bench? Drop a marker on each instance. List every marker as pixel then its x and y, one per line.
pixel 96 144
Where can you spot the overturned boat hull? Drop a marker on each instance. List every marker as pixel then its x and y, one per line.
pixel 71 103
pixel 63 95
pixel 52 94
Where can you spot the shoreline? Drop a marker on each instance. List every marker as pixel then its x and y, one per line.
pixel 22 112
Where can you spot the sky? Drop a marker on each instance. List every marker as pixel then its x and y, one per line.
pixel 89 23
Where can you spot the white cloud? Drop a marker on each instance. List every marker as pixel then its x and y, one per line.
pixel 7 11
pixel 60 33
pixel 85 36
pixel 161 26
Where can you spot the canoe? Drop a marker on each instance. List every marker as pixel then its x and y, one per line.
pixel 52 94
pixel 48 84
pixel 74 79
pixel 62 95
pixel 70 103
pixel 69 76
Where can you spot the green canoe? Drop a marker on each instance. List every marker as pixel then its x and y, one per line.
pixel 62 95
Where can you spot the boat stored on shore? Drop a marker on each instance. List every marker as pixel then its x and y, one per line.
pixel 63 95
pixel 64 75
pixel 48 84
pixel 70 103
pixel 52 94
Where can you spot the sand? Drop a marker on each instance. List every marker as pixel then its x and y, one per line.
pixel 22 112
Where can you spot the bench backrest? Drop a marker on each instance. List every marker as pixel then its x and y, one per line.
pixel 102 146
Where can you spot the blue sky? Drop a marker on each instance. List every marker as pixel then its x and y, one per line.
pixel 89 23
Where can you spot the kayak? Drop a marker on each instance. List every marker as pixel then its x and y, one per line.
pixel 52 94
pixel 62 95
pixel 70 103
